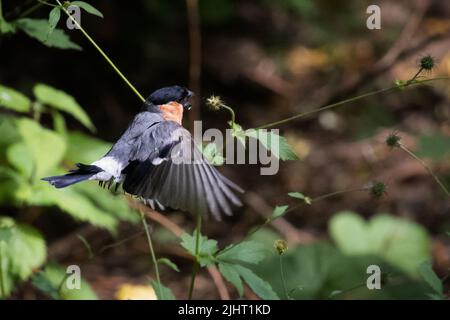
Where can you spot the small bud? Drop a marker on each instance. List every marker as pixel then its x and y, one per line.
pixel 377 189
pixel 427 63
pixel 214 102
pixel 281 246
pixel 393 140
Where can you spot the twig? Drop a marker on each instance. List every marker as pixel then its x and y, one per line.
pixel 101 52
pixel 352 99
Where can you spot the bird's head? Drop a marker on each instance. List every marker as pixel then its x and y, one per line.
pixel 170 101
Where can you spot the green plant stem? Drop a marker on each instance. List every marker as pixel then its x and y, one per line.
pixel 233 115
pixel 152 252
pixel 283 281
pixel 101 52
pixel 332 194
pixel 2 278
pixel 409 83
pixel 61 284
pixel 435 177
pixel 196 265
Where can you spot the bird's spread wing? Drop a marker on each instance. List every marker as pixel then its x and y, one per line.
pixel 178 176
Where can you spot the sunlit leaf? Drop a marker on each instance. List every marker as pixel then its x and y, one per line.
pixel 38 29
pixel 62 101
pixel 279 211
pixel 230 274
pixel 276 144
pixel 53 19
pixel 87 7
pixel 46 147
pixel 246 251
pixel 14 100
pixel 207 247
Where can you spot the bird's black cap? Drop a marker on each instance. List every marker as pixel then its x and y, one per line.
pixel 167 94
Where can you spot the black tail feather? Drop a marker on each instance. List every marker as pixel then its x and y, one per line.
pixel 83 172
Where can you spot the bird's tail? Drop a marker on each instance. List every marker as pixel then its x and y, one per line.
pixel 84 172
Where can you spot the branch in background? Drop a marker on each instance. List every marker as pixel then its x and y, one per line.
pixel 195 57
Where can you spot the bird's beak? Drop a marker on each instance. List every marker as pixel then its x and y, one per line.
pixel 187 106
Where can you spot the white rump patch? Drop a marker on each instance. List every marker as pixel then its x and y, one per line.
pixel 109 165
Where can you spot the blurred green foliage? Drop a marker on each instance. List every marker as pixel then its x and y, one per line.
pixel 339 271
pixel 29 151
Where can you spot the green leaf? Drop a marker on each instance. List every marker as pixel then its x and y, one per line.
pixel 212 154
pixel 279 211
pixel 45 146
pixel 273 142
pixel 85 149
pixel 246 251
pixel 207 248
pixel 54 278
pixel 23 251
pixel 74 202
pixel 301 196
pixel 20 157
pixel 53 19
pixel 162 292
pixel 230 274
pixel 62 101
pixel 259 286
pixel 87 7
pixel 168 263
pixel 237 132
pixel 14 100
pixel 38 29
pixel 402 243
pixel 430 277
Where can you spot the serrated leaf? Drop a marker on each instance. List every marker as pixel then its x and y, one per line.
pixel 37 29
pixel 46 147
pixel 14 100
pixel 87 7
pixel 162 292
pixel 430 277
pixel 230 274
pixel 276 144
pixel 259 286
pixel 301 196
pixel 53 19
pixel 246 251
pixel 279 211
pixel 207 248
pixel 168 263
pixel 62 101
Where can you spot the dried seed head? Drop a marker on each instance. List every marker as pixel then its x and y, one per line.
pixel 214 102
pixel 281 246
pixel 377 189
pixel 393 140
pixel 427 63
